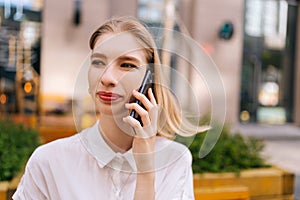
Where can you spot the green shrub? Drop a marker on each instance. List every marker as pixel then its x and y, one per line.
pixel 231 153
pixel 16 145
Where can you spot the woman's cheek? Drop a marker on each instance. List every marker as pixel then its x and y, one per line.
pixel 132 84
pixel 93 81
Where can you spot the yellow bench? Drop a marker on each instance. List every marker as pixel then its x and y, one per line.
pixel 222 193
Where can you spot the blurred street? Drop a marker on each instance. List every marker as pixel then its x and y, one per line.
pixel 282 147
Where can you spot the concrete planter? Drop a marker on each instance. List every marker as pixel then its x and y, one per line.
pixel 255 184
pixel 8 188
pixel 3 190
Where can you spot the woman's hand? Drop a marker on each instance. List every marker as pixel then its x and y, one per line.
pixel 144 140
pixel 143 145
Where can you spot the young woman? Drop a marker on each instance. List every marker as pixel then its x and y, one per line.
pixel 120 157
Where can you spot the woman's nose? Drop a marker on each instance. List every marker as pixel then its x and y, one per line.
pixel 109 76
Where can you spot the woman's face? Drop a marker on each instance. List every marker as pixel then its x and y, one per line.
pixel 118 64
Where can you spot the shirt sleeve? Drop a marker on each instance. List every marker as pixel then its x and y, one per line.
pixel 184 186
pixel 188 191
pixel 178 182
pixel 32 184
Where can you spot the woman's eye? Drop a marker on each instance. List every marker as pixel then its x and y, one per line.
pixel 98 62
pixel 128 65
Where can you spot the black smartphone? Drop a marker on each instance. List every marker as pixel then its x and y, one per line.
pixel 146 84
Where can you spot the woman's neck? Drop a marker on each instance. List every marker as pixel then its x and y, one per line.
pixel 114 136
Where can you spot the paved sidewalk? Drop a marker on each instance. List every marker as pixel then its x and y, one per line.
pixel 269 132
pixel 282 146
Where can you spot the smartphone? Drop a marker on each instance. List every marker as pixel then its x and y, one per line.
pixel 146 84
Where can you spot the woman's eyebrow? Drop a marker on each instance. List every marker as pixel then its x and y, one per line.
pixel 130 58
pixel 98 55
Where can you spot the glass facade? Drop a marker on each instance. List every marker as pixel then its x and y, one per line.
pixel 161 14
pixel 268 61
pixel 20 45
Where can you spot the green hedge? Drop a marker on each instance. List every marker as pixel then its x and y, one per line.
pixel 16 145
pixel 232 153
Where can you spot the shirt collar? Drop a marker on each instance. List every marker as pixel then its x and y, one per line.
pixel 96 145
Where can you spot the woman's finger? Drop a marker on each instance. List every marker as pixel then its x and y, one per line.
pixel 139 131
pixel 143 99
pixel 141 112
pixel 151 96
pixel 149 104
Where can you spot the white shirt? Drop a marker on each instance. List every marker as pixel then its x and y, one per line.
pixel 84 167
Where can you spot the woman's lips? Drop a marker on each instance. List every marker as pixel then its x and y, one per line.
pixel 108 96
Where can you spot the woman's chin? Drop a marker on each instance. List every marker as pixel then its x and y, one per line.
pixel 115 113
pixel 110 109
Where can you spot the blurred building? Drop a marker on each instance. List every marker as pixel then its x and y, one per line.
pixel 254 44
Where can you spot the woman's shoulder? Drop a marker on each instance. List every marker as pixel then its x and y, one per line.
pixel 66 142
pixel 173 150
pixel 54 150
pixel 164 142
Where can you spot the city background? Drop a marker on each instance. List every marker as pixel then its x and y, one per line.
pixel 255 45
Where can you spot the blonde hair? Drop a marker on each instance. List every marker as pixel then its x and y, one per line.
pixel 170 121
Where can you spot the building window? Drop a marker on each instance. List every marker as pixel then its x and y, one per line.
pixel 268 61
